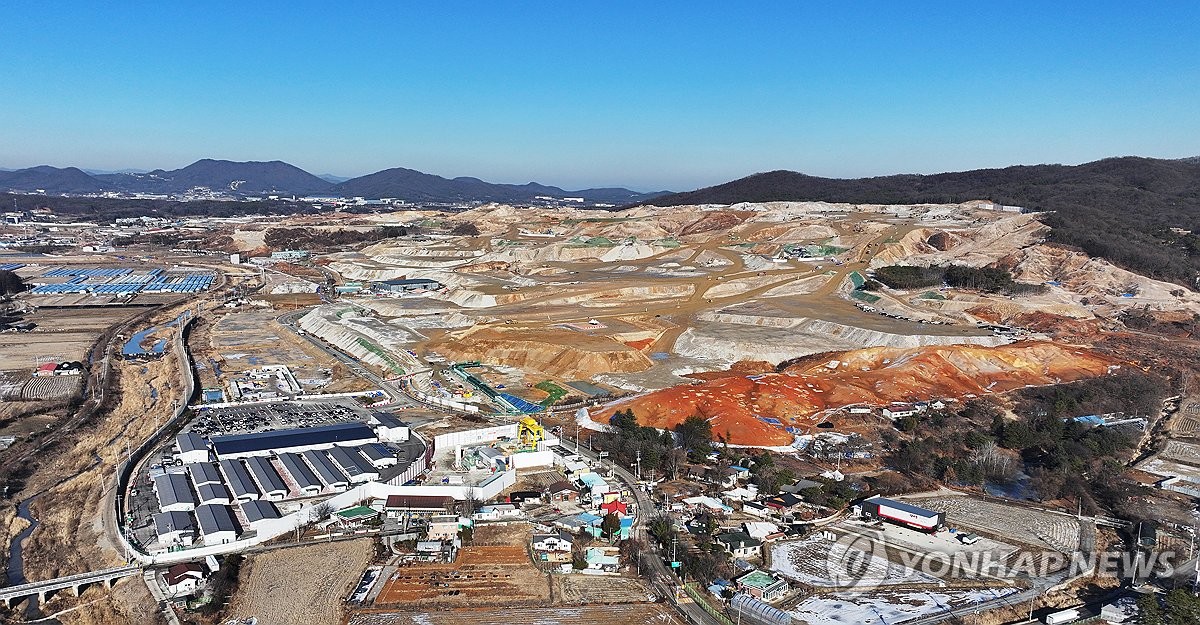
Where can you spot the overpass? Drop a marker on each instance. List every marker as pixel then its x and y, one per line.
pixel 14 594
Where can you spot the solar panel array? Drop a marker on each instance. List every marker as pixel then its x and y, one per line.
pixel 10 266
pixel 122 281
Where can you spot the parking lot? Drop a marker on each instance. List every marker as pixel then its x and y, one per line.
pixel 269 417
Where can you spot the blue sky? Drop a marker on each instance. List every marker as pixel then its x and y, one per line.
pixel 644 94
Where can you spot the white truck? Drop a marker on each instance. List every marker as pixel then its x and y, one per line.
pixel 1069 615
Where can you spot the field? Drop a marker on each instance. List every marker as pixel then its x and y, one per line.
pixel 598 589
pixel 62 334
pixel 627 614
pixel 819 562
pixel 300 586
pixel 494 569
pixel 885 607
pixel 1014 522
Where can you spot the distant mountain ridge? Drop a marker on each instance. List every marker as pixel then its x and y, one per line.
pixel 1141 213
pixel 257 178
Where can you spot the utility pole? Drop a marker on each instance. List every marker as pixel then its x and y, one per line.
pixel 639 465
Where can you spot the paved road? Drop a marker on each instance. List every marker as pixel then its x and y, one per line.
pixel 395 396
pixel 660 576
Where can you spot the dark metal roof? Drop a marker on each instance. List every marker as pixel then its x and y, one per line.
pixel 212 492
pixel 374 452
pixel 204 473
pixel 900 505
pixel 324 468
pixel 388 420
pixel 267 477
pixel 167 522
pixel 238 478
pixel 190 442
pixel 301 474
pixel 260 509
pixel 351 462
pixel 173 488
pixel 288 439
pixel 418 502
pixel 215 518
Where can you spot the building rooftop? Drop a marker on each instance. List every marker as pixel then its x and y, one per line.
pixel 324 467
pixel 167 522
pixel 260 509
pixel 297 437
pixel 190 442
pixel 900 505
pixel 173 488
pixel 418 502
pixel 267 477
pixel 204 473
pixel 389 420
pixel 409 281
pixel 215 518
pixel 758 579
pixel 212 492
pixel 238 478
pixel 301 474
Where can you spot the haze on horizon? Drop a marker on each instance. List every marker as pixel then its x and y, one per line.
pixel 650 97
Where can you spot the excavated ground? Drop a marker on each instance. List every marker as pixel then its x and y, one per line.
pixel 740 405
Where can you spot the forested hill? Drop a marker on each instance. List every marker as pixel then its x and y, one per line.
pixel 1122 209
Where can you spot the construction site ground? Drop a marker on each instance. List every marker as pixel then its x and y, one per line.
pixel 238 341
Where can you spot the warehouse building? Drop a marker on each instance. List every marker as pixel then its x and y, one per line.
pixel 293 440
pixel 269 483
pixel 192 448
pixel 377 454
pixel 325 469
pixel 401 285
pixel 257 512
pixel 240 485
pixel 305 479
pixel 203 473
pixel 217 524
pixel 174 528
pixel 213 494
pixel 174 493
pixel 902 513
pixel 353 465
pixel 389 428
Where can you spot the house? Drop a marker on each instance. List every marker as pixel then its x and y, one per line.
pixel 443 527
pixel 762 585
pixel 784 503
pixel 741 494
pixel 498 512
pixel 800 486
pixel 600 559
pixel 562 491
pixel 400 285
pixel 710 503
pixel 898 410
pixel 760 530
pixel 184 579
pixel 615 506
pixel 739 544
pixel 553 547
pixel 756 509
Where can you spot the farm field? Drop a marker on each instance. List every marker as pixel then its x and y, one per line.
pixel 625 614
pixel 599 589
pixel 300 586
pixel 62 334
pixel 494 569
pixel 885 607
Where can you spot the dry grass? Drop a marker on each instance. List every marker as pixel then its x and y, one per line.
pixel 300 586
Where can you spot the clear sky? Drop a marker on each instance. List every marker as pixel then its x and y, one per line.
pixel 649 95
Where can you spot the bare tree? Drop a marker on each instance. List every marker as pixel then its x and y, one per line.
pixel 322 511
pixel 995 462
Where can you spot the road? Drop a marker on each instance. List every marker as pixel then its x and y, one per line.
pixel 661 577
pixel 395 396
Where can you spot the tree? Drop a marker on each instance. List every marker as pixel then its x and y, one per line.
pixel 322 511
pixel 695 434
pixel 611 525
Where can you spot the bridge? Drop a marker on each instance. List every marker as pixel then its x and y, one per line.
pixel 14 594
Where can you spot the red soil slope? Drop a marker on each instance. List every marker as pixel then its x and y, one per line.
pixel 736 404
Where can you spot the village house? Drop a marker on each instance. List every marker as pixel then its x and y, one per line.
pixel 739 544
pixel 762 585
pixel 554 548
